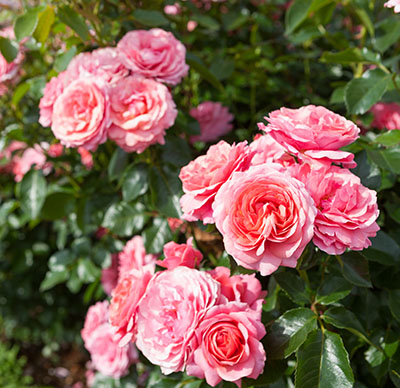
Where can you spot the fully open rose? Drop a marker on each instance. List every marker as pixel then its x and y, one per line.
pixel 81 114
pixel 175 302
pixel 141 110
pixel 313 132
pixel 155 53
pixel 347 210
pixel 226 345
pixel 98 336
pixel 268 219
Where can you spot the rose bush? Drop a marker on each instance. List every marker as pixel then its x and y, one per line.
pixel 200 193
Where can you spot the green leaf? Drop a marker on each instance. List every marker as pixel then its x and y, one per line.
pixel 206 21
pixel 367 171
pixel 345 319
pixel 72 19
pixel 74 283
pixel 135 182
pixel 32 193
pixel 26 24
pixel 384 250
pixel 125 219
pixel 87 271
pixel 323 362
pixel 388 139
pixel 166 191
pixel 394 303
pixel 289 331
pixel 52 279
pixel 58 205
pixel 273 370
pixel 117 164
pixel 20 92
pixel 355 269
pixel 150 18
pixel 222 68
pixel 196 64
pixel 8 49
pixel 296 14
pixel 294 286
pixel 62 61
pixel 366 20
pixel 362 93
pixel 388 159
pixel 46 20
pixel 60 261
pixel 389 33
pixel 332 290
pixel 157 235
pixel 351 55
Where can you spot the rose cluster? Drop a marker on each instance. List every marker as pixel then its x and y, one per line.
pixel 292 185
pixel 205 322
pixel 117 93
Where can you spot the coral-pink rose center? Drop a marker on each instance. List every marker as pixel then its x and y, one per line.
pixel 225 343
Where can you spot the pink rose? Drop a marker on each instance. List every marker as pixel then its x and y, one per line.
pixel 214 119
pixel 8 153
pixel 109 276
pixel 173 306
pixel 268 219
pixel 176 224
pixel 8 71
pixel 180 255
pixel 104 63
pixel 126 298
pixel 134 256
pixel 174 9
pixel 154 54
pixel 30 157
pixel 265 149
pixel 202 178
pixel 386 115
pixel 86 157
pixel 313 132
pixel 393 4
pixel 53 89
pixel 98 335
pixel 347 210
pixel 141 110
pixel 191 25
pixel 81 114
pixel 55 150
pixel 240 288
pixel 226 345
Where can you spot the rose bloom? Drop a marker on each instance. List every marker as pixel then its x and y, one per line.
pixel 265 149
pixel 154 54
pixel 109 276
pixel 98 335
pixel 176 224
pixel 81 114
pixel 55 150
pixel 141 110
pixel 174 9
pixel 393 4
pixel 240 288
pixel 202 178
pixel 33 156
pixel 7 154
pixel 386 115
pixel 314 132
pixel 173 306
pixel 214 119
pixel 347 210
pixel 180 255
pixel 226 345
pixel 268 219
pixel 134 256
pixel 86 157
pixel 126 298
pixel 8 71
pixel 53 89
pixel 104 63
